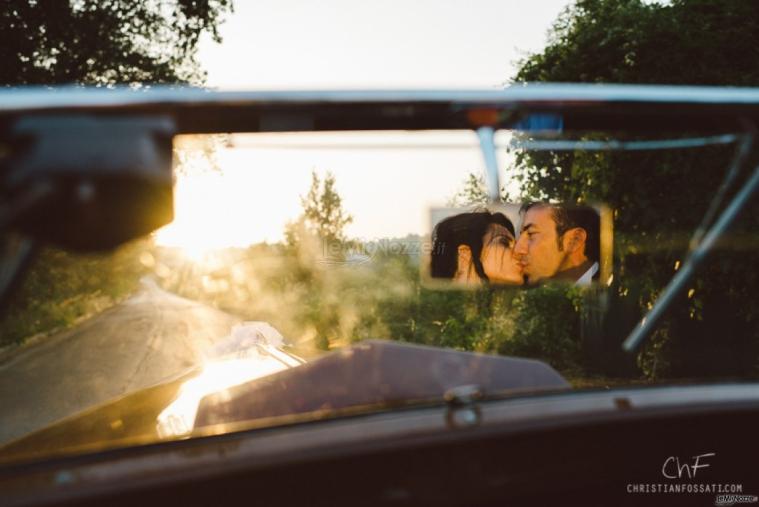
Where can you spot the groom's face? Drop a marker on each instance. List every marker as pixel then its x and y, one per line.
pixel 537 249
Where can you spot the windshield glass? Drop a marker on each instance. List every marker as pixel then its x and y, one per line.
pixel 296 276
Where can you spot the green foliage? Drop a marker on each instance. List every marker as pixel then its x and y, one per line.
pixel 546 326
pixel 318 236
pixel 323 215
pixel 705 42
pixel 320 302
pixel 301 287
pixel 659 198
pixel 473 192
pixel 61 288
pixel 105 41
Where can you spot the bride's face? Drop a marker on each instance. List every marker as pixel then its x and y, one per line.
pixel 497 257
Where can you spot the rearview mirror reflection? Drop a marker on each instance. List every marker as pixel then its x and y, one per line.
pixel 519 245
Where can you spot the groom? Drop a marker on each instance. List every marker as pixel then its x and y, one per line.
pixel 558 243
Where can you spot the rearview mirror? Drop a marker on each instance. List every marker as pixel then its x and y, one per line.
pixel 87 182
pixel 519 245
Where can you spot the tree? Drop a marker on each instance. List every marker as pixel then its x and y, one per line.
pixel 318 233
pixel 473 192
pixel 699 42
pixel 323 213
pixel 104 42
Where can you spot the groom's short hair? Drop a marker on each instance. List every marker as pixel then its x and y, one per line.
pixel 570 217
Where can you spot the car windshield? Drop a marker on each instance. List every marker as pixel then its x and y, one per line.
pixel 313 274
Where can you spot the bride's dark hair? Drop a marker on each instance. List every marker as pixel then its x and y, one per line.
pixel 464 229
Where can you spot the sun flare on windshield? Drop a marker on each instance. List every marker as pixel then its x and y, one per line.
pixel 220 209
pixel 250 187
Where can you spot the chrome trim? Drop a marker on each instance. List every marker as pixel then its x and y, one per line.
pixel 663 144
pixel 283 357
pixel 546 94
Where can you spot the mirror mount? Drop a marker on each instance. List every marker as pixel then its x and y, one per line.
pixel 486 136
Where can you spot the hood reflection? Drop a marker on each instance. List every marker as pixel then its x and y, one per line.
pixel 247 355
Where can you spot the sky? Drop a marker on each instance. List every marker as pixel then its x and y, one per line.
pixel 342 44
pixel 302 44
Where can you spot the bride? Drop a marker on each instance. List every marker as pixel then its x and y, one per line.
pixel 475 247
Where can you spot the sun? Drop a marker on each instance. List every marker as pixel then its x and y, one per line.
pixel 241 203
pixel 196 252
pixel 204 219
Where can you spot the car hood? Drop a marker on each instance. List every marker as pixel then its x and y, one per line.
pixel 370 374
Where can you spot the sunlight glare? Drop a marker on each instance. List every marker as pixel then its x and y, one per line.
pixel 179 417
pixel 387 181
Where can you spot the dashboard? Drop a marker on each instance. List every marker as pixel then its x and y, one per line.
pixel 645 446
